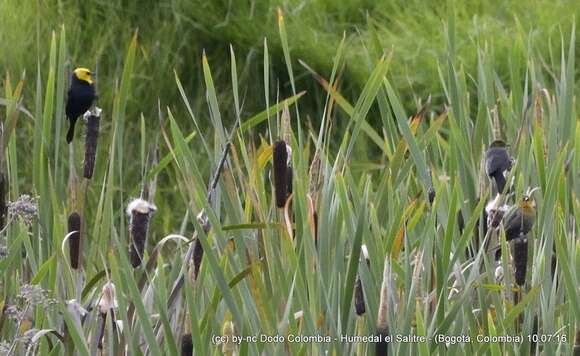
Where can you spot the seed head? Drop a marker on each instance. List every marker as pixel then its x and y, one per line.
pixel 186 345
pixel 140 211
pixel 93 122
pixel 520 259
pixel 25 208
pixel 359 297
pixel 108 299
pixel 74 229
pixel 281 158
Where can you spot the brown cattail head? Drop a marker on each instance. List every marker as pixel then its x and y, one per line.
pixel 382 346
pixel 520 255
pixel 140 211
pixel 197 257
pixel 203 220
pixel 359 297
pixel 74 240
pixel 281 158
pixel 186 345
pixel 431 195
pixel 93 122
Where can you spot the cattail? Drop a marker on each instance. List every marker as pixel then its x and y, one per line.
pixel 74 240
pixel 315 218
pixel 382 345
pixel 3 199
pixel 186 345
pixel 93 122
pixel 197 257
pixel 498 273
pixel 577 344
pixel 460 222
pixel 289 174
pixel 431 195
pixel 281 159
pixel 314 175
pixel 520 254
pixel 203 220
pixel 107 304
pixel 535 328
pixel 228 331
pixel 359 295
pixel 140 211
pixel 108 300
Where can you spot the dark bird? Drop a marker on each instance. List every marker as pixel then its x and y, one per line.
pixel 520 219
pixel 497 161
pixel 81 95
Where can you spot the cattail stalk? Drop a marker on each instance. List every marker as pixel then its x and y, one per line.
pixel 140 211
pixel 382 346
pixel 107 304
pixel 93 123
pixel 74 241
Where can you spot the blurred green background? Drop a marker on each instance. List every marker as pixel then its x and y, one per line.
pixel 173 34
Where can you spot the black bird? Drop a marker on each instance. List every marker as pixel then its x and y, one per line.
pixel 81 95
pixel 520 219
pixel 497 161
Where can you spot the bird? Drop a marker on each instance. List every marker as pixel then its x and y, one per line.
pixel 519 220
pixel 81 95
pixel 497 161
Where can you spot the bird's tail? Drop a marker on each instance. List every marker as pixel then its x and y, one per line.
pixel 499 180
pixel 71 131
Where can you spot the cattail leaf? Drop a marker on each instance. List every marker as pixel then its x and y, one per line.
pixel 43 270
pixel 164 162
pixel 495 350
pixel 540 155
pixel 529 298
pixel 262 116
pixel 354 261
pixel 405 129
pixel 570 280
pixel 136 298
pixel 211 97
pixel 366 99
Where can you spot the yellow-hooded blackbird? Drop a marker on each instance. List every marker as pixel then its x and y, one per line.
pixel 497 161
pixel 81 95
pixel 520 219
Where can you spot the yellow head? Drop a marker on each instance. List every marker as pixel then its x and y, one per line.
pixel 528 203
pixel 84 74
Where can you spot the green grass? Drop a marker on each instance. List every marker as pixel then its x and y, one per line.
pixel 376 167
